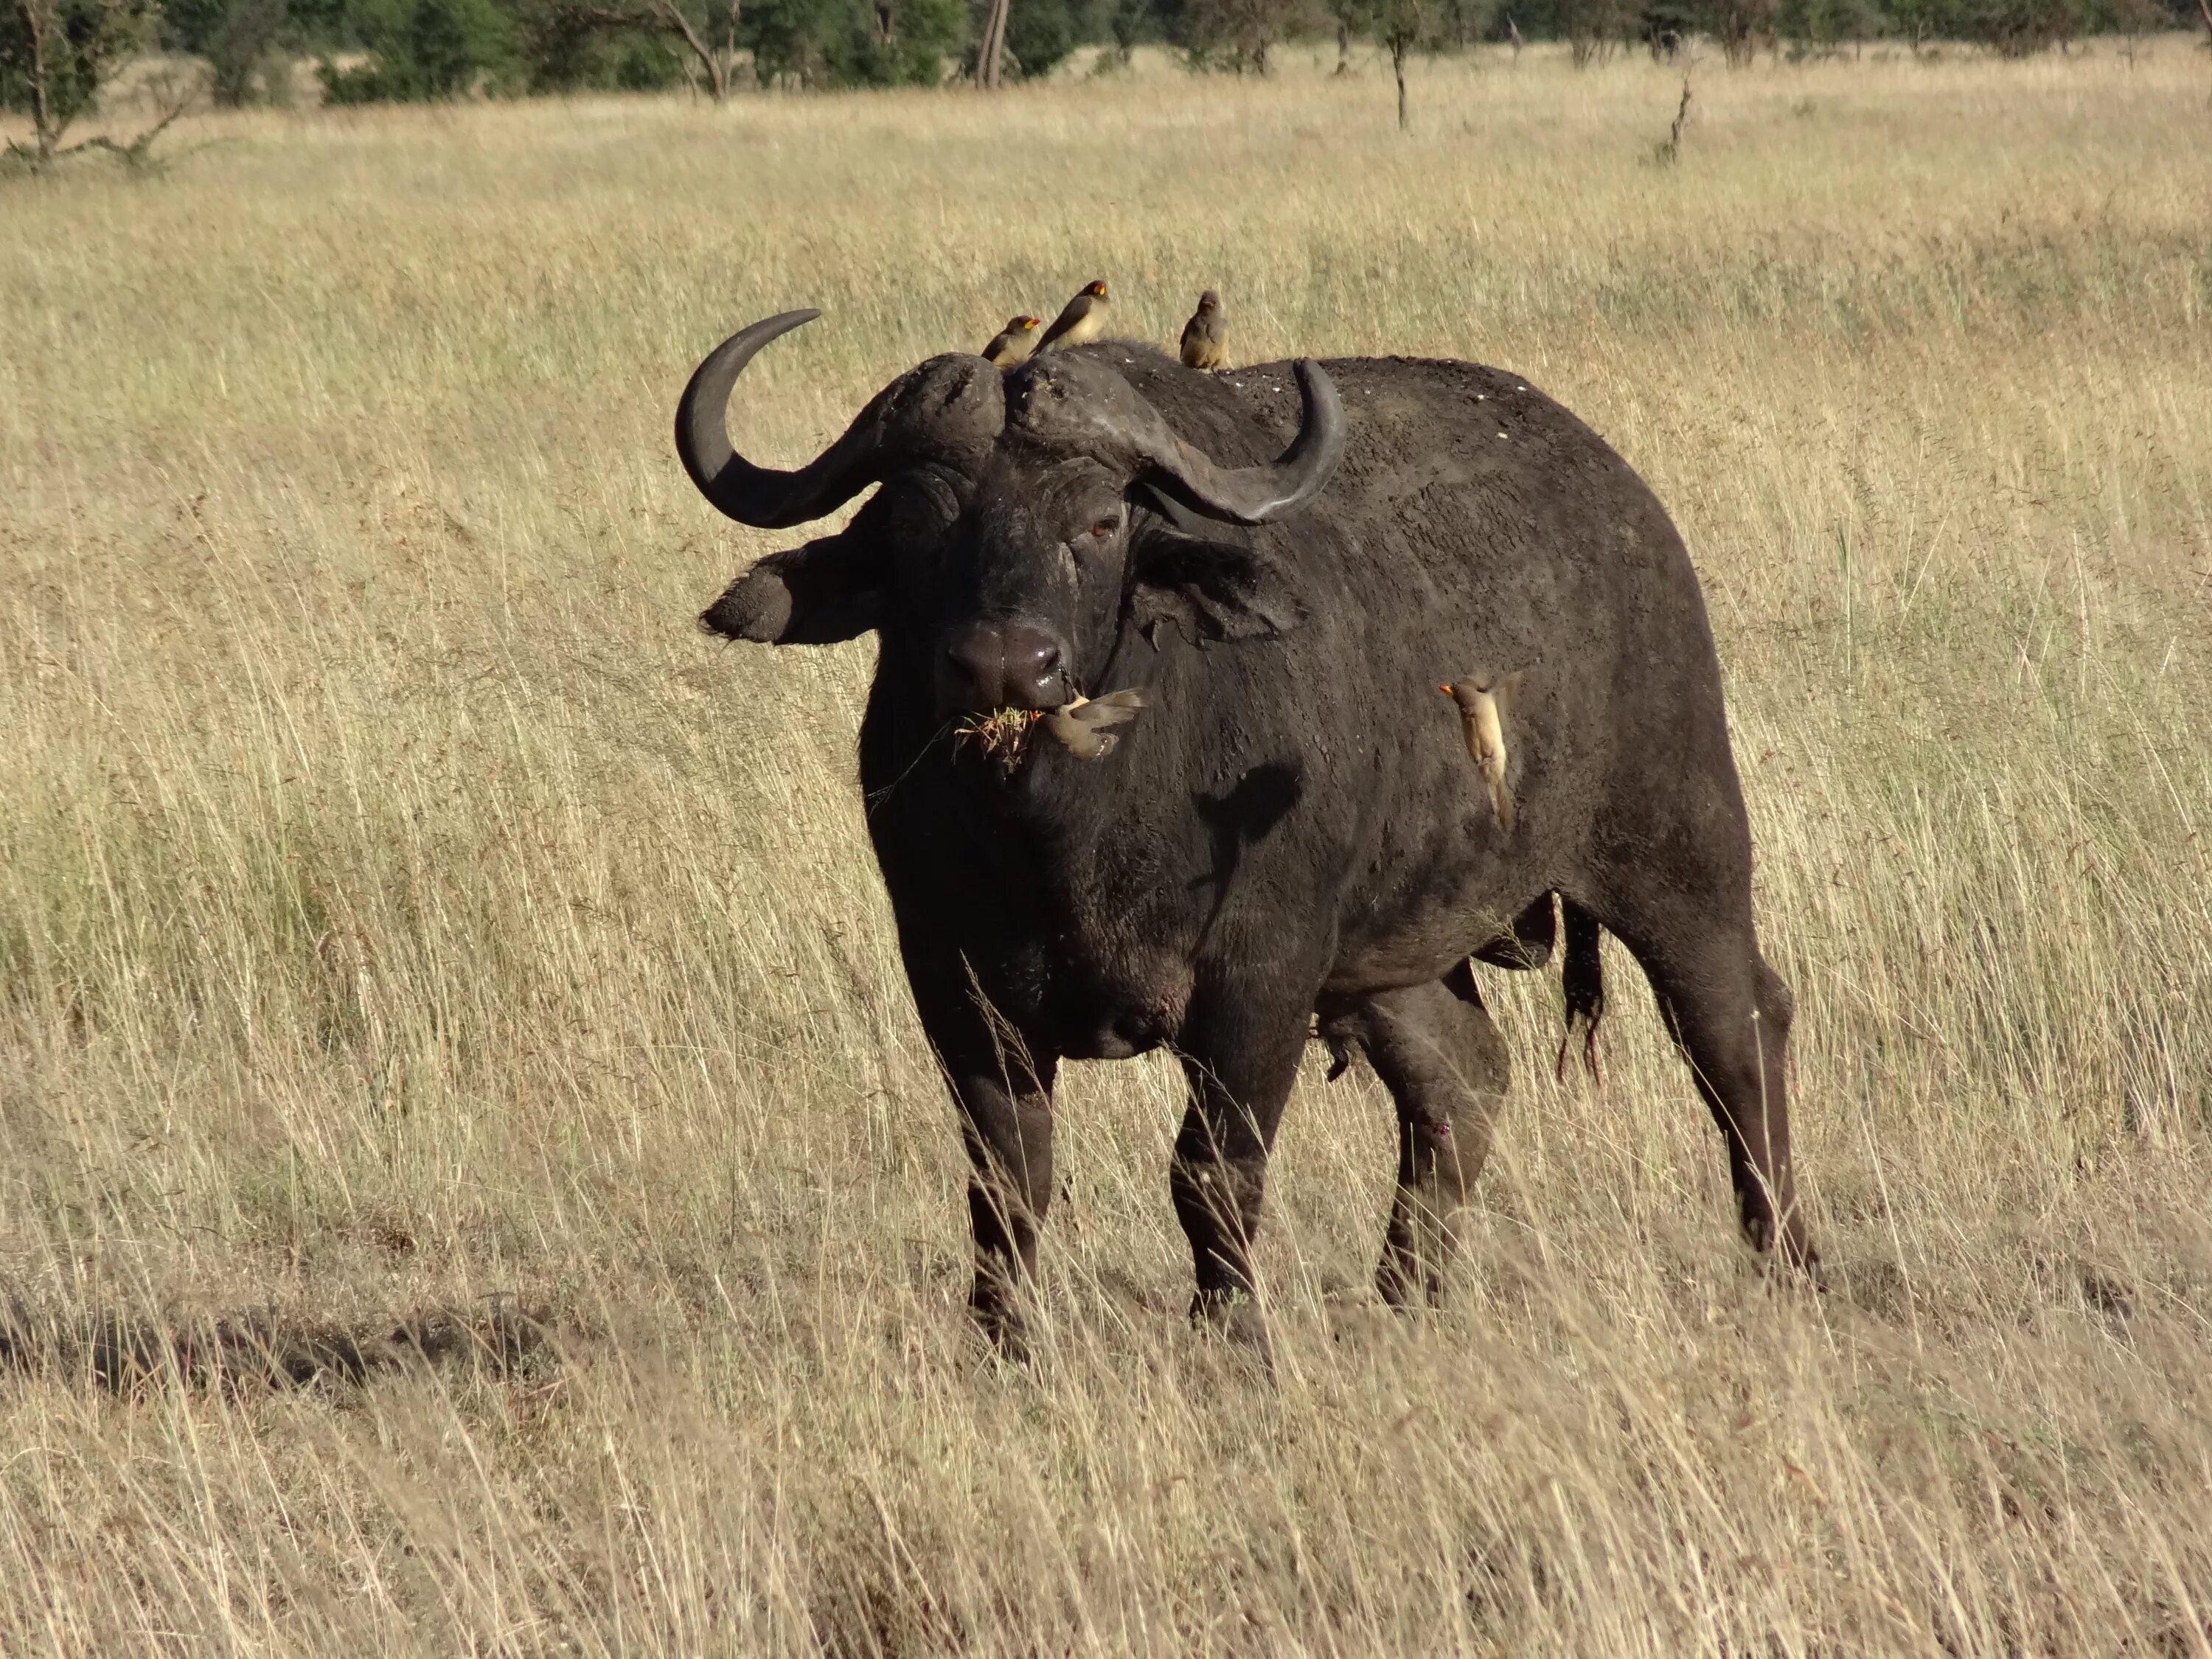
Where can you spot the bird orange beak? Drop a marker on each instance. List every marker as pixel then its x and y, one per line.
pixel 1446 689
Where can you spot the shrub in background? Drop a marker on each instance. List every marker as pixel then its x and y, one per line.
pixel 427 49
pixel 244 43
pixel 54 54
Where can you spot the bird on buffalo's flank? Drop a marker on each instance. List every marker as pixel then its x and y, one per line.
pixel 1206 336
pixel 1012 348
pixel 1483 706
pixel 1080 726
pixel 1082 320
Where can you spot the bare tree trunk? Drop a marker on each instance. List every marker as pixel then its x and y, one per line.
pixel 1398 69
pixel 717 70
pixel 666 16
pixel 2204 10
pixel 990 62
pixel 36 15
pixel 1343 47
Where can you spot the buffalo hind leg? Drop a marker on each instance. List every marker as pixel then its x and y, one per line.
pixel 1729 1013
pixel 1436 1050
pixel 1240 1054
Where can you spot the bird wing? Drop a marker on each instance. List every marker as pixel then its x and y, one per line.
pixel 1109 710
pixel 1508 692
pixel 1073 312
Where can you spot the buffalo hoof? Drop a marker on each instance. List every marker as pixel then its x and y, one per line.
pixel 997 1315
pixel 1234 1316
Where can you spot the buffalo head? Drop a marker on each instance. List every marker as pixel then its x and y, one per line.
pixel 1023 519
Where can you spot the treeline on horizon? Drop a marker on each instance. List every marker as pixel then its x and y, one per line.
pixel 383 50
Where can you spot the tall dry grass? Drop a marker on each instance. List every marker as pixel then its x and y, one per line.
pixel 470 1178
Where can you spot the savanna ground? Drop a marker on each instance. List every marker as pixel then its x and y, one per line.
pixel 470 1181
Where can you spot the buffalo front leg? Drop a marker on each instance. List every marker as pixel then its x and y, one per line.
pixel 1001 1084
pixel 1240 1054
pixel 1436 1050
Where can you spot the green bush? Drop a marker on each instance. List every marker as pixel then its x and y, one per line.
pixel 567 50
pixel 855 43
pixel 428 49
pixel 242 41
pixel 1039 33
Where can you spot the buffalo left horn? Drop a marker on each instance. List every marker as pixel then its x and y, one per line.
pixel 948 409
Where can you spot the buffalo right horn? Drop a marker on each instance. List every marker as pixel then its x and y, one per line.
pixel 1254 494
pixel 951 408
pixel 1084 403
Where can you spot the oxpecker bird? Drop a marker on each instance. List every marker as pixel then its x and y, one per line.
pixel 1012 348
pixel 1483 706
pixel 1206 336
pixel 1082 320
pixel 1080 726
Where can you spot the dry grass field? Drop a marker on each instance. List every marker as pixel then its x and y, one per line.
pixel 471 1180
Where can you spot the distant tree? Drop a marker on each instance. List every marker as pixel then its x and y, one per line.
pixel 1665 25
pixel 55 56
pixel 706 34
pixel 240 40
pixel 2019 28
pixel 2132 19
pixel 425 50
pixel 855 43
pixel 1126 23
pixel 1236 35
pixel 1039 34
pixel 1351 18
pixel 1816 28
pixel 990 49
pixel 1741 26
pixel 1594 28
pixel 1404 27
pixel 1460 23
pixel 566 48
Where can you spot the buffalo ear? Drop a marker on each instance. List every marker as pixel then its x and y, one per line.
pixel 1213 591
pixel 818 594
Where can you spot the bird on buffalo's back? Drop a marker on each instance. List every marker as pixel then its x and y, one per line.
pixel 1080 322
pixel 1206 336
pixel 1483 706
pixel 1014 342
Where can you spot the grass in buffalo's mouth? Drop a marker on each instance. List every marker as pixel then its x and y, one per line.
pixel 1001 735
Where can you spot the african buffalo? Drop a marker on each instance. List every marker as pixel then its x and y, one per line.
pixel 1292 828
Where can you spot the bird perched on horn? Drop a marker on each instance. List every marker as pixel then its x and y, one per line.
pixel 1484 705
pixel 1206 336
pixel 1080 726
pixel 1082 320
pixel 1014 342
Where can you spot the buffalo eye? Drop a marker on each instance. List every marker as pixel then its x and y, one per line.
pixel 1106 526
